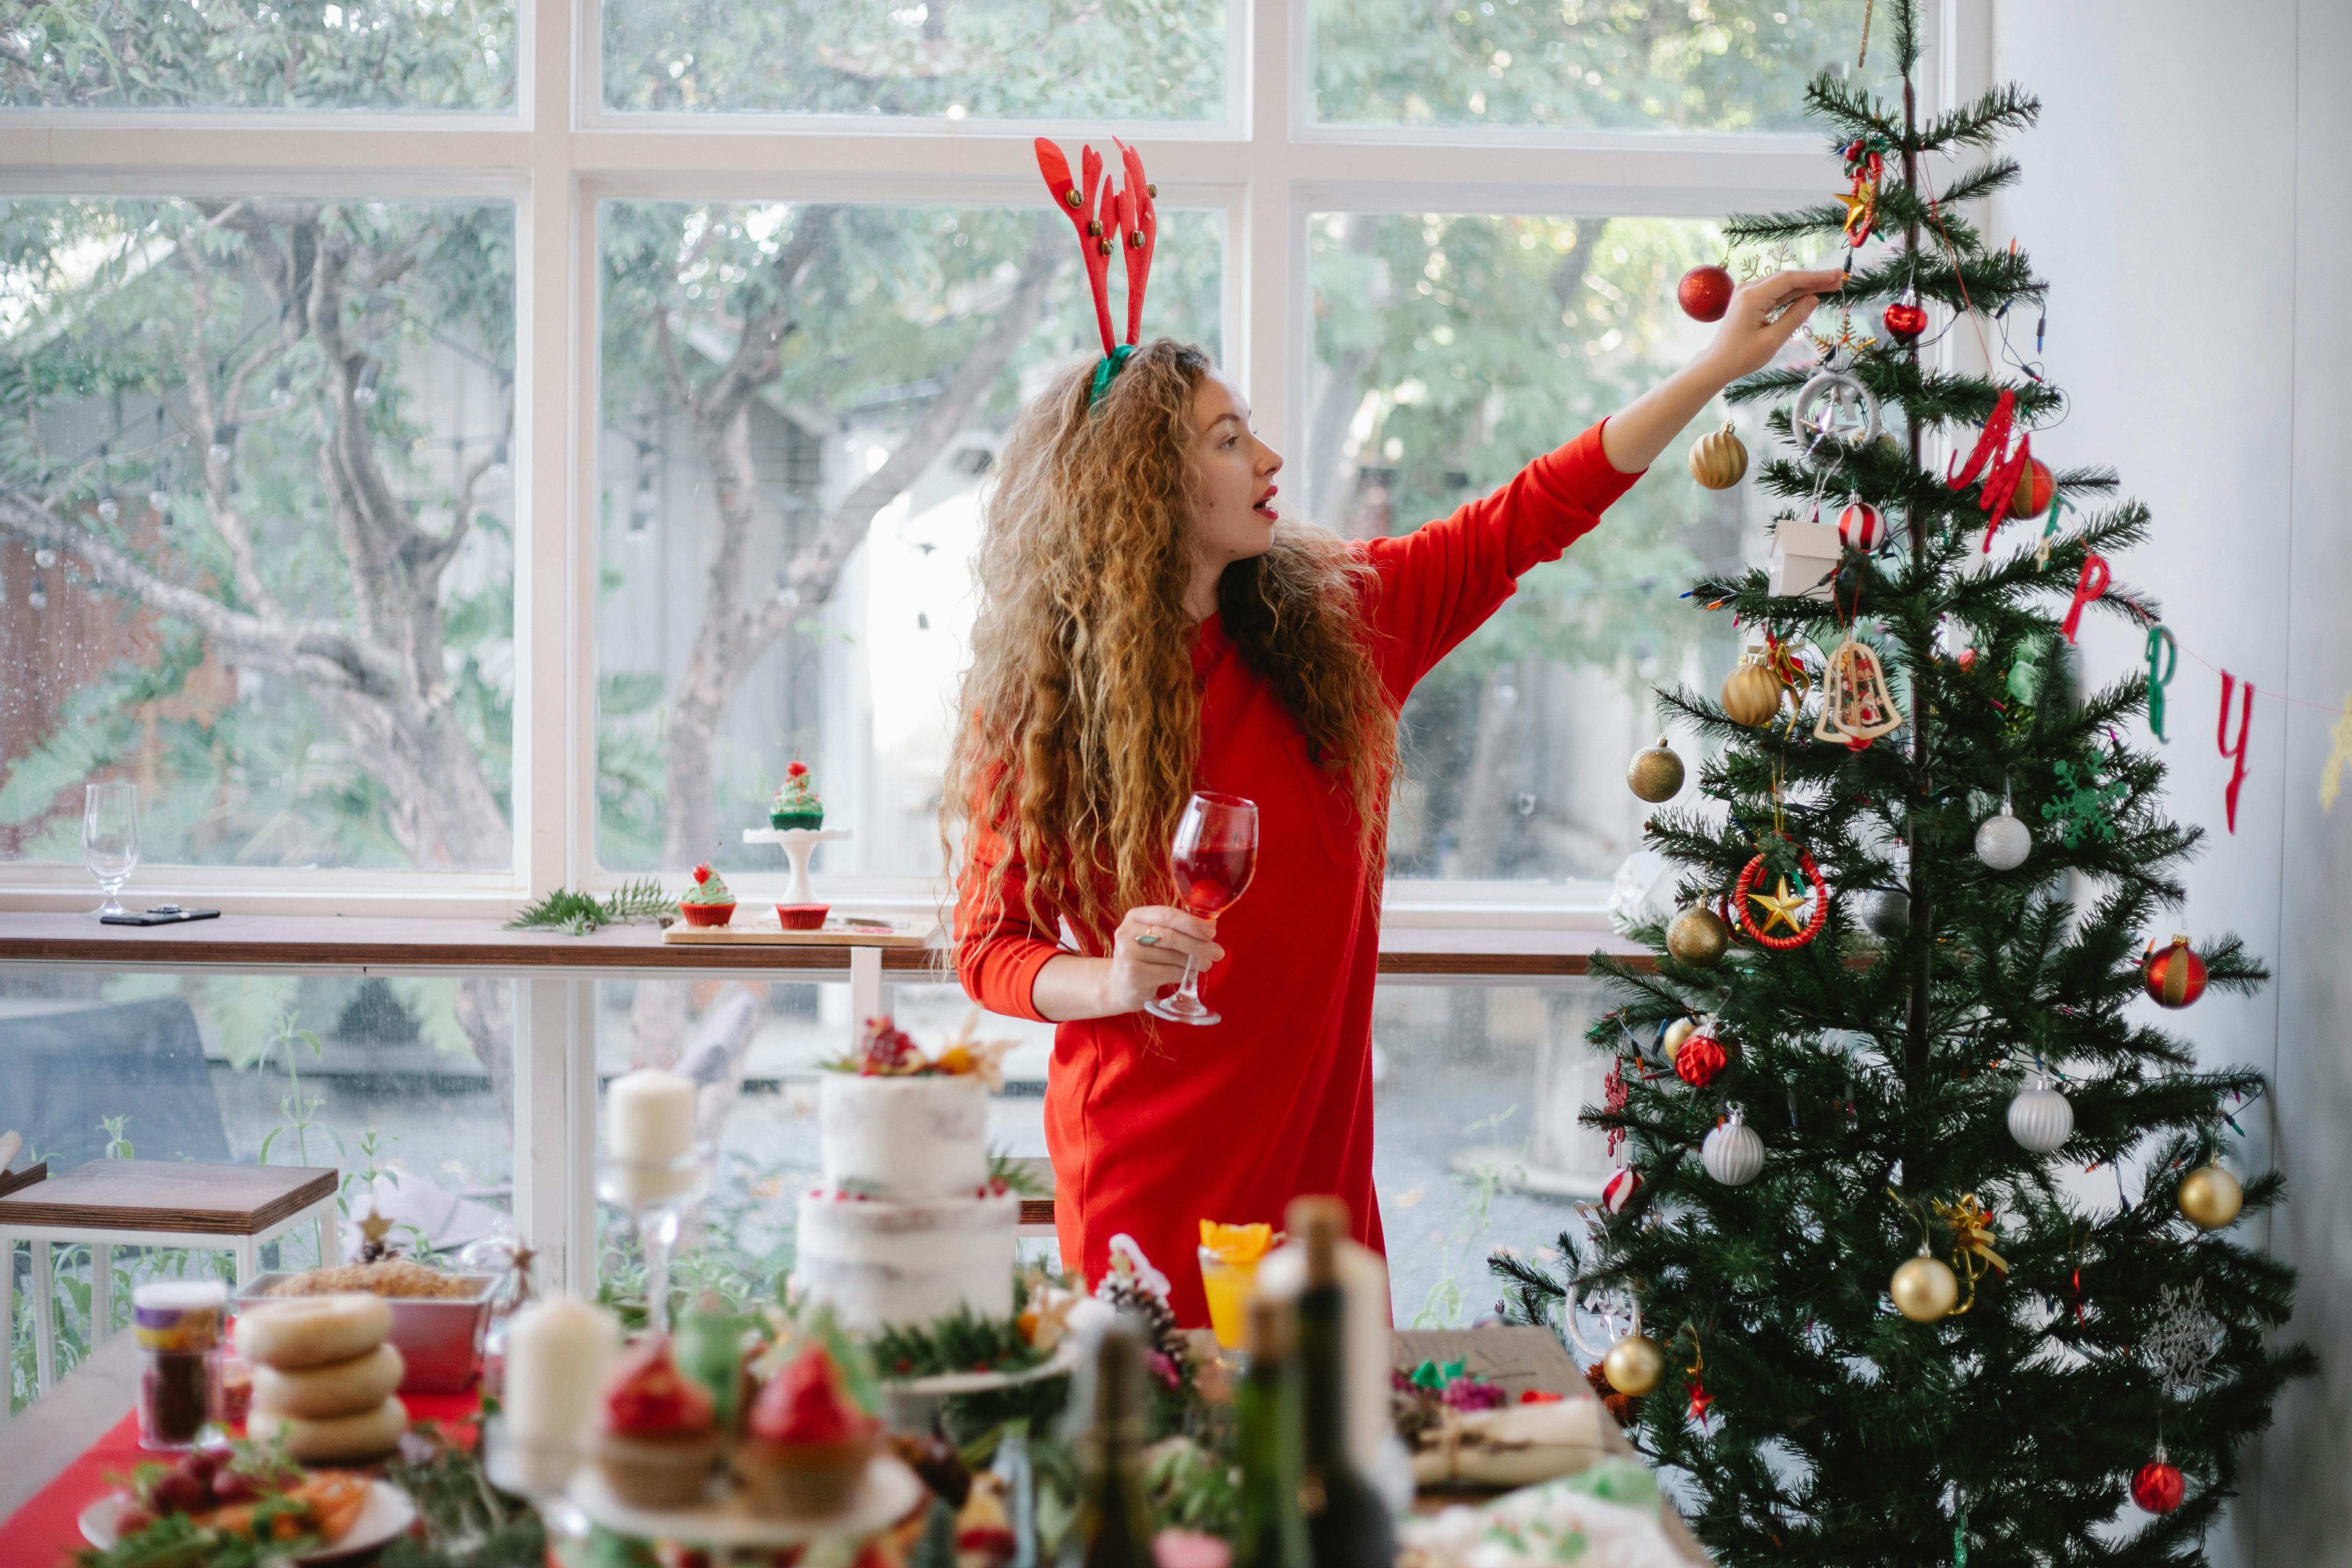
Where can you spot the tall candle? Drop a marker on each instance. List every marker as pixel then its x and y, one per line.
pixel 649 1117
pixel 559 1351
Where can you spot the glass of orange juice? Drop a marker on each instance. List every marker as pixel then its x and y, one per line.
pixel 1229 1261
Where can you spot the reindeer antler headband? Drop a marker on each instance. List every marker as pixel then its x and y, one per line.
pixel 1116 217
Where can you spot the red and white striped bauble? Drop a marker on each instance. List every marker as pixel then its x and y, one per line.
pixel 1858 527
pixel 1619 1189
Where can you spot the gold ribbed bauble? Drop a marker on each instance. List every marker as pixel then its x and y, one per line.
pixel 1633 1365
pixel 1719 461
pixel 1699 937
pixel 1655 773
pixel 1751 693
pixel 2210 1197
pixel 1925 1288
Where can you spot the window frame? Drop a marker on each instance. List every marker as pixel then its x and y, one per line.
pixel 1265 164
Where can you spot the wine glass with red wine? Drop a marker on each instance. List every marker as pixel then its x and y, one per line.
pixel 1214 858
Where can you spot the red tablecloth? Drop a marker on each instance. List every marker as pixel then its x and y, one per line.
pixel 48 1528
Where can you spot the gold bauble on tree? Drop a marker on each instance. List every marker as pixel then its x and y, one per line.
pixel 1655 773
pixel 1633 1365
pixel 1925 1288
pixel 1751 693
pixel 1676 1034
pixel 2210 1197
pixel 1719 461
pixel 1699 937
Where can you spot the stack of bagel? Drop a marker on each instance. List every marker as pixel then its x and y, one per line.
pixel 324 1380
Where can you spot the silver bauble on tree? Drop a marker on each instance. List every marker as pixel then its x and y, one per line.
pixel 1732 1154
pixel 2003 841
pixel 2040 1118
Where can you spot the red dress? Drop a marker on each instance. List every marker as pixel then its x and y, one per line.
pixel 1153 1127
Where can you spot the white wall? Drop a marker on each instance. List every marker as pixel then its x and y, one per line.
pixel 2178 195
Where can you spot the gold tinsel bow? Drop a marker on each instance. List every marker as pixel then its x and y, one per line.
pixel 1972 1240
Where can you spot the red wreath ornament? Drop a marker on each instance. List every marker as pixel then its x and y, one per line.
pixel 1744 896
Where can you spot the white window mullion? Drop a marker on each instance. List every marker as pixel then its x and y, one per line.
pixel 1262 349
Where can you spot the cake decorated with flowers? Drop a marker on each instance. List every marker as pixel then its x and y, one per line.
pixel 795 804
pixel 708 902
pixel 907 1225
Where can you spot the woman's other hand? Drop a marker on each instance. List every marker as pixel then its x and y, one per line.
pixel 1148 953
pixel 1765 313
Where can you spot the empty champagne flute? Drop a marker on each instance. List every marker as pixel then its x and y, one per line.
pixel 1214 856
pixel 110 837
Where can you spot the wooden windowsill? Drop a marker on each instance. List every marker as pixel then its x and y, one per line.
pixel 365 943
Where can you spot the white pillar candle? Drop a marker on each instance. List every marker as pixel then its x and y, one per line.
pixel 649 1117
pixel 558 1352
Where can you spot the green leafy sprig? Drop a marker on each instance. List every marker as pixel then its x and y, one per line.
pixel 577 915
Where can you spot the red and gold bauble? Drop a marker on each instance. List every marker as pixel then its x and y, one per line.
pixel 2034 489
pixel 1905 319
pixel 2174 975
pixel 2157 1486
pixel 1705 293
pixel 1702 1056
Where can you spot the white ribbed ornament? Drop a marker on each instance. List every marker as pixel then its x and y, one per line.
pixel 1732 1154
pixel 2040 1118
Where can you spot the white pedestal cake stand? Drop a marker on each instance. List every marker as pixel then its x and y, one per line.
pixel 797 843
pixel 910 1402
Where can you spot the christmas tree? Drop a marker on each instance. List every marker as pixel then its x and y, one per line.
pixel 1884 1317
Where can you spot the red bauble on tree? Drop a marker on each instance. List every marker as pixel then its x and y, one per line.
pixel 1858 527
pixel 2174 975
pixel 1619 1189
pixel 1905 319
pixel 1702 1056
pixel 2157 1486
pixel 1705 293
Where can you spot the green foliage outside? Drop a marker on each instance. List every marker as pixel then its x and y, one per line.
pixel 1576 65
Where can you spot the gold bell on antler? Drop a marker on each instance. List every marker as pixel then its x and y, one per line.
pixel 1719 461
pixel 1751 693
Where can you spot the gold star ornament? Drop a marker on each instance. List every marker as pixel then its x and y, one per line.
pixel 1780 906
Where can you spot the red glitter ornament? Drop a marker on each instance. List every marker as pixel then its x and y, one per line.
pixel 1705 293
pixel 1905 319
pixel 2157 1486
pixel 2174 975
pixel 1702 1056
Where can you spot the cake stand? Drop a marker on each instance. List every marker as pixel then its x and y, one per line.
pixel 797 843
pixel 889 1491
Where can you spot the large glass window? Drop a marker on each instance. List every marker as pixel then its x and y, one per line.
pixel 256 536
pixel 404 1086
pixel 1577 65
pixel 1025 59
pixel 1449 352
pixel 800 408
pixel 246 54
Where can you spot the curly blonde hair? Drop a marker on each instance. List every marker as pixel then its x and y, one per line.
pixel 1079 727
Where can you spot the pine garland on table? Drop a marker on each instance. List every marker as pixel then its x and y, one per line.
pixel 577 915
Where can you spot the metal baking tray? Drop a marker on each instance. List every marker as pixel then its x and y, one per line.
pixel 439 1340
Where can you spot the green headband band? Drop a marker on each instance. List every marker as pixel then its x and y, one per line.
pixel 1108 368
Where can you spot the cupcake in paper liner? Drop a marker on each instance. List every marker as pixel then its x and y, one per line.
pixel 796 805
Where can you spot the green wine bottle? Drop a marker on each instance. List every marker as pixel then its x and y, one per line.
pixel 1348 1525
pixel 1113 1529
pixel 1272 1532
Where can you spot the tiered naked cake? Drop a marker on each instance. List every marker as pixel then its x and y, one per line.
pixel 907 1226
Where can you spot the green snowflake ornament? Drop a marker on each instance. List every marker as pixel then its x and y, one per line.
pixel 2085 805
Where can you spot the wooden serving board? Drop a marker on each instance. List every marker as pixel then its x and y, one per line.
pixel 11 1180
pixel 761 928
pixel 171 1194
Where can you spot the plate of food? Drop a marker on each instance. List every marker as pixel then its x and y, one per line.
pixel 212 1499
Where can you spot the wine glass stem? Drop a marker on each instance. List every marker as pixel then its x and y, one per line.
pixel 660 1235
pixel 1189 991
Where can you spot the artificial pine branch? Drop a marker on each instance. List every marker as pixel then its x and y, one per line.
pixel 1877 1064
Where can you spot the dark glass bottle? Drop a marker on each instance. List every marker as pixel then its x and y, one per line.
pixel 1269 1423
pixel 1348 1525
pixel 1114 1526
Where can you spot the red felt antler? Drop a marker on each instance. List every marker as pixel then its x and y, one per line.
pixel 1107 218
pixel 1141 219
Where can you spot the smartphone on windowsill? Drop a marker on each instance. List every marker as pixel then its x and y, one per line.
pixel 160 915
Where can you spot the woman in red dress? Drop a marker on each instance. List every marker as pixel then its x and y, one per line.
pixel 1150 626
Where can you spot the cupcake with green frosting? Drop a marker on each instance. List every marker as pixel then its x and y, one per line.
pixel 796 805
pixel 708 902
